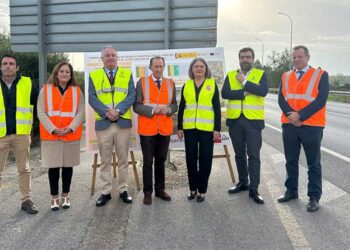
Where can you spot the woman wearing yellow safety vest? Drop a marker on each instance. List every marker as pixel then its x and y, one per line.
pixel 199 122
pixel 61 112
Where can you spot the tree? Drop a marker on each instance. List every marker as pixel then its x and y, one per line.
pixel 28 62
pixel 277 64
pixel 28 66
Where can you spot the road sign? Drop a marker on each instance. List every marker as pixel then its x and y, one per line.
pixel 88 25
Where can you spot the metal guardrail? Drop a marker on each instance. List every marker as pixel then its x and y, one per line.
pixel 333 93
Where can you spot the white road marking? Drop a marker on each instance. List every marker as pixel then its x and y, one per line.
pixel 326 150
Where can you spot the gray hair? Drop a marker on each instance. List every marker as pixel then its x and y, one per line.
pixel 207 70
pixel 106 47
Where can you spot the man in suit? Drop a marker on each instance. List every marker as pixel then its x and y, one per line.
pixel 18 98
pixel 111 94
pixel 302 98
pixel 245 90
pixel 155 104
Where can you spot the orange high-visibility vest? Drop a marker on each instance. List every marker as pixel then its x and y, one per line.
pixel 152 96
pixel 61 110
pixel 300 93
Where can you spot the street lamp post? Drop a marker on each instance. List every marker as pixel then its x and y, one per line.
pixel 291 29
pixel 262 53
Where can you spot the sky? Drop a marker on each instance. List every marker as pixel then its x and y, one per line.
pixel 322 25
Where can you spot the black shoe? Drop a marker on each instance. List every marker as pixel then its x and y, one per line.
pixel 104 198
pixel 257 198
pixel 29 207
pixel 312 206
pixel 238 188
pixel 125 197
pixel 287 197
pixel 200 198
pixel 191 195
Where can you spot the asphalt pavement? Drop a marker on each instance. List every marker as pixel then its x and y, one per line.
pixel 222 221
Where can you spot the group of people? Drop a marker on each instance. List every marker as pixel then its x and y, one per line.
pixel 111 93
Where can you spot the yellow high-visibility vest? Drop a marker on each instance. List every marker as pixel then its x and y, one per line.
pixel 252 106
pixel 199 115
pixel 24 110
pixel 104 89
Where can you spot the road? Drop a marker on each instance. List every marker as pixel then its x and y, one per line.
pixel 335 143
pixel 222 221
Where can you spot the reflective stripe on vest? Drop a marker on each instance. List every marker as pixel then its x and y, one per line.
pixel 152 97
pixel 24 110
pixel 252 106
pixel 61 111
pixel 104 90
pixel 300 93
pixel 199 115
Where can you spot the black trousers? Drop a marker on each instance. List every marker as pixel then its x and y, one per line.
pixel 310 137
pixel 247 140
pixel 154 147
pixel 199 157
pixel 54 176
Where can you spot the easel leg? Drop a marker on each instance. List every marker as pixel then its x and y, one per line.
pixel 135 170
pixel 94 170
pixel 114 165
pixel 229 164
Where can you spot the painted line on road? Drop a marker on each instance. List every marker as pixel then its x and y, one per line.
pixel 334 113
pixel 288 219
pixel 326 150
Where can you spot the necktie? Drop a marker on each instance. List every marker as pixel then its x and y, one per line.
pixel 111 77
pixel 300 72
pixel 158 83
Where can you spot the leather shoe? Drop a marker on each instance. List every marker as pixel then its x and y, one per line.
pixel 238 188
pixel 287 197
pixel 29 207
pixel 257 198
pixel 104 198
pixel 200 198
pixel 125 197
pixel 191 195
pixel 147 200
pixel 163 195
pixel 312 206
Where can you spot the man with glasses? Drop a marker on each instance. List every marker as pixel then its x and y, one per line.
pixel 111 95
pixel 245 89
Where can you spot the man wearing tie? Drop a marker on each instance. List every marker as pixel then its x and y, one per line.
pixel 155 104
pixel 111 94
pixel 302 98
pixel 245 90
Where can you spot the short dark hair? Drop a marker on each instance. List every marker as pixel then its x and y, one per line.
pixel 207 70
pixel 10 56
pixel 156 58
pixel 306 50
pixel 246 49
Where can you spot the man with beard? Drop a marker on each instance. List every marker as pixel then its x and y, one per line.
pixel 245 89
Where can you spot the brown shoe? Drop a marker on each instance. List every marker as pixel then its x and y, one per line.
pixel 147 200
pixel 163 195
pixel 29 207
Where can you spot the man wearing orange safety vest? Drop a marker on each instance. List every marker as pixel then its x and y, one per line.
pixel 302 98
pixel 155 104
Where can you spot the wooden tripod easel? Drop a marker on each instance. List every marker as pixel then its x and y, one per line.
pixel 95 165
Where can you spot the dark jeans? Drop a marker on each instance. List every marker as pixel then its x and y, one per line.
pixel 247 140
pixel 199 156
pixel 154 147
pixel 310 137
pixel 54 175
